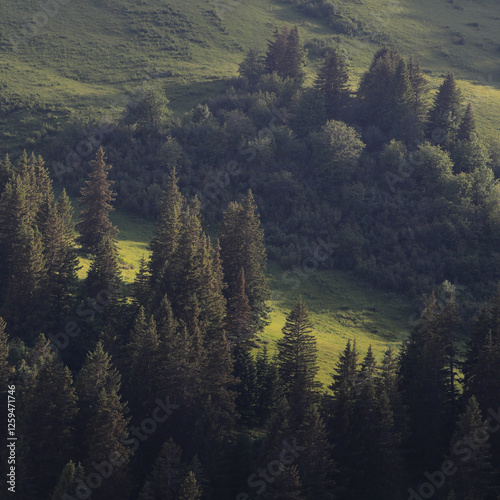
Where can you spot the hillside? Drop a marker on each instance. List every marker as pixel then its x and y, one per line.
pixel 85 57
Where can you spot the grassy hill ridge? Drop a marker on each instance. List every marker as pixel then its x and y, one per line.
pixel 78 58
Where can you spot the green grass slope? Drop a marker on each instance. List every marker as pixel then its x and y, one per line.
pixel 86 55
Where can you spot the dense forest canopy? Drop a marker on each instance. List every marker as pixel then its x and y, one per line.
pixel 155 389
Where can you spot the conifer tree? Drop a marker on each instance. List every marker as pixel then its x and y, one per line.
pixel 47 418
pixel 342 405
pixel 104 273
pixel 420 88
pixel 141 288
pixel 332 83
pixel 96 198
pixel 97 373
pixel 103 423
pixel 252 67
pixel 467 131
pixel 285 54
pixel 5 368
pixel 6 171
pixel 28 279
pixel 376 89
pixel 427 380
pixel 144 380
pixel 315 460
pixel 167 232
pixel 287 485
pixel 245 372
pixel 14 215
pixel 238 323
pixel 269 389
pixel 165 478
pixel 189 488
pixel 68 481
pixel 475 476
pixel 297 359
pixel 60 256
pixel 242 247
pixel 445 115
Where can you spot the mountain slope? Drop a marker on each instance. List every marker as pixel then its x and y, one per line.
pixel 83 57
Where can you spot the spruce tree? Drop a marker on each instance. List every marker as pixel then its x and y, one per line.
pixel 96 198
pixel 285 54
pixel 47 418
pixel 5 368
pixel 315 461
pixel 376 89
pixel 332 83
pixel 167 232
pixel 60 256
pixel 427 380
pixel 144 380
pixel 420 89
pixel 470 452
pixel 467 131
pixel 245 372
pixel 445 115
pixel 103 423
pixel 28 279
pixel 242 247
pixel 104 275
pixel 189 488
pixel 238 323
pixel 297 359
pixel 166 475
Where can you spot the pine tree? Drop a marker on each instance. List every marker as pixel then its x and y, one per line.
pixel 102 423
pixel 5 368
pixel 420 89
pixel 427 380
pixel 294 55
pixel 6 171
pixel 252 67
pixel 332 83
pixel 315 461
pixel 276 51
pixel 47 418
pixel 242 247
pixel 238 323
pixel 467 131
pixel 97 373
pixel 470 452
pixel 245 372
pixel 287 485
pixel 285 54
pixel 141 288
pixel 189 488
pixel 144 380
pixel 341 407
pixel 297 359
pixel 96 197
pixel 376 89
pixel 445 115
pixel 165 478
pixel 104 275
pixel 27 283
pixel 60 256
pixel 167 233
pixel 66 482
pixel 106 431
pixel 14 215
